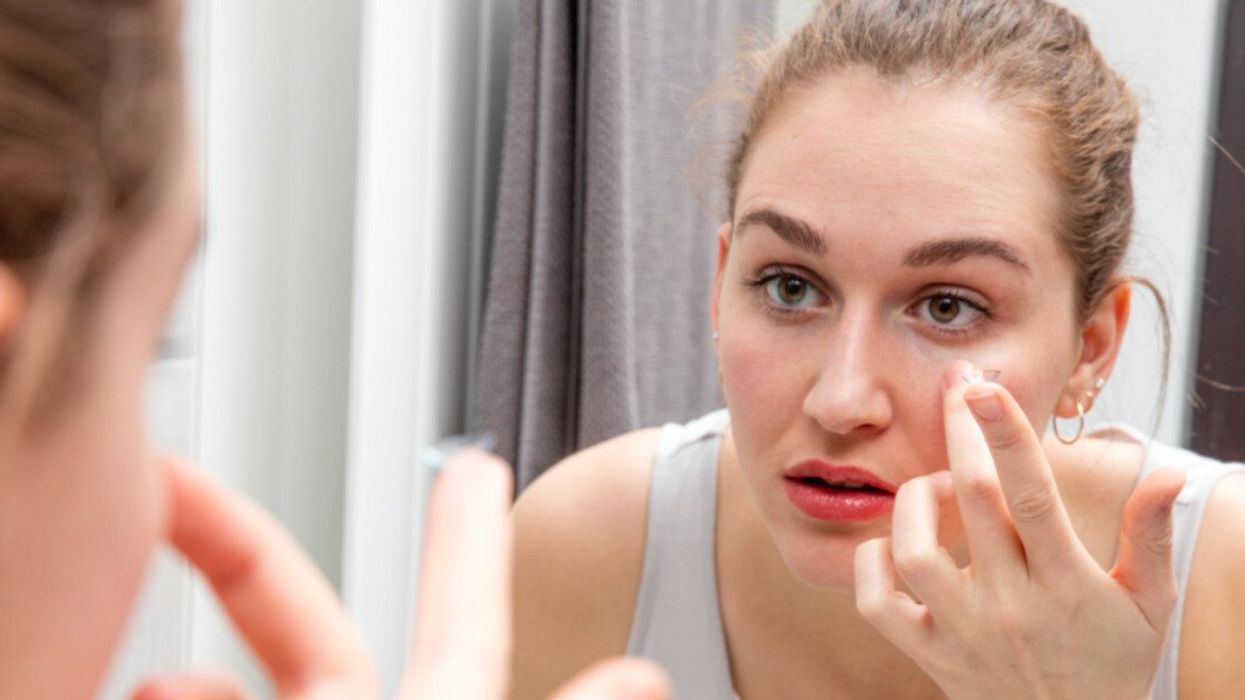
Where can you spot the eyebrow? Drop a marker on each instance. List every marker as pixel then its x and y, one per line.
pixel 793 231
pixel 952 250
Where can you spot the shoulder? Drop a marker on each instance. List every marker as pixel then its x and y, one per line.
pixel 1213 632
pixel 579 550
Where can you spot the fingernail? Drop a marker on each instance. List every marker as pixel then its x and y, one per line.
pixel 986 404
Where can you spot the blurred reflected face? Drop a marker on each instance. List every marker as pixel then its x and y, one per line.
pixel 97 418
pixel 881 232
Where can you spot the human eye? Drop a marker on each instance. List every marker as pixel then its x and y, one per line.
pixel 952 311
pixel 787 291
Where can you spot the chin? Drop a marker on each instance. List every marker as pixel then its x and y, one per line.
pixel 824 560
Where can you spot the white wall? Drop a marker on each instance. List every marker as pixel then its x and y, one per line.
pixel 433 75
pixel 1168 52
pixel 350 152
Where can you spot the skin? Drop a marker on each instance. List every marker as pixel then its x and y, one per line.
pixel 290 616
pixel 999 532
pixel 67 584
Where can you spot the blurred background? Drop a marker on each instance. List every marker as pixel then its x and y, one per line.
pixel 372 171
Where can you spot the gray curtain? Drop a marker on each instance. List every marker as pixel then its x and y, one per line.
pixel 597 315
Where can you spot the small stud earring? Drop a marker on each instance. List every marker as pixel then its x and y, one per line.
pixel 715 334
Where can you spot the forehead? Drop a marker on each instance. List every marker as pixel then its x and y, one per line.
pixel 856 155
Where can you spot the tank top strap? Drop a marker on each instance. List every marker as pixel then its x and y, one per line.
pixel 1202 474
pixel 677 622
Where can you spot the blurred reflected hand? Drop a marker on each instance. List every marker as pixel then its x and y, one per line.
pixel 291 617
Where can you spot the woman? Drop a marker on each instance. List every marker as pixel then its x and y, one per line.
pixel 926 195
pixel 98 218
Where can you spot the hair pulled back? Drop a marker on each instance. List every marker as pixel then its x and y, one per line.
pixel 90 110
pixel 1032 54
pixel 89 105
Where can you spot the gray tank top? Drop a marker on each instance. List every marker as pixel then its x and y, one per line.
pixel 677 622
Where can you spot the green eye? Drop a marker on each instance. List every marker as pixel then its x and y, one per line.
pixel 791 291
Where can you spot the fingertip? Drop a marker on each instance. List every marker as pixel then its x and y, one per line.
pixel 1164 486
pixel 480 469
pixel 961 373
pixel 622 678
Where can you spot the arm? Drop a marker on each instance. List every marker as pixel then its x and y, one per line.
pixel 579 548
pixel 1212 640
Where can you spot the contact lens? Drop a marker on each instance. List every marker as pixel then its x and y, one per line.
pixel 434 457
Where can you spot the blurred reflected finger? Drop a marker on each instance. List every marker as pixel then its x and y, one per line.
pixel 275 595
pixel 617 679
pixel 192 685
pixel 462 637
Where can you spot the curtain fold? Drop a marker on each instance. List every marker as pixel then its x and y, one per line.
pixel 597 315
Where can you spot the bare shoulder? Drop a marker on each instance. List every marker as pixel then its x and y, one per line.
pixel 579 549
pixel 1212 640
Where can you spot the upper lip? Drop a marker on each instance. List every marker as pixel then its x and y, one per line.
pixel 837 473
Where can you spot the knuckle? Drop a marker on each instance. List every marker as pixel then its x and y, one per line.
pixel 1013 622
pixel 914 561
pixel 871 604
pixel 1034 503
pixel 980 487
pixel 1006 435
pixel 1158 542
pixel 1154 541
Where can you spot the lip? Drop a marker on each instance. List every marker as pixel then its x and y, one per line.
pixel 837 505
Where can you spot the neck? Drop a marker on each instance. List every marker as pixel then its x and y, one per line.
pixel 781 630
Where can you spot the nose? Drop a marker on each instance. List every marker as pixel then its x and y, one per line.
pixel 850 393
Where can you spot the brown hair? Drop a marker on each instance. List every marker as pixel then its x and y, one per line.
pixel 90 105
pixel 1033 54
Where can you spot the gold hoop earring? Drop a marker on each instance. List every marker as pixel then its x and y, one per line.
pixel 1080 426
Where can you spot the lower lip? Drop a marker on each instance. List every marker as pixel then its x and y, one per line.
pixel 838 504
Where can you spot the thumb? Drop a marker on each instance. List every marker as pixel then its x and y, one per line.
pixel 617 679
pixel 1144 565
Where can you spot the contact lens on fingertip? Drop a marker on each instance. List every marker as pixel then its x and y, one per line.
pixel 972 375
pixel 434 458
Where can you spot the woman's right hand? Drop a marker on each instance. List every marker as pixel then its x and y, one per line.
pixel 291 617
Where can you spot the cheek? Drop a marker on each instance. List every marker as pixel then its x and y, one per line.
pixel 761 382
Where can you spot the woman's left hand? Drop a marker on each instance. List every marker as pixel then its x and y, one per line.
pixel 1033 615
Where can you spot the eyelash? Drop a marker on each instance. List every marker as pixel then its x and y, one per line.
pixel 965 299
pixel 767 275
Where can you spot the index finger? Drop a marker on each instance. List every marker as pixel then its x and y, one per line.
pixel 992 541
pixel 1037 511
pixel 280 602
pixel 462 636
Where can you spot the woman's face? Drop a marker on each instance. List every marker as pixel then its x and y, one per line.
pixel 881 232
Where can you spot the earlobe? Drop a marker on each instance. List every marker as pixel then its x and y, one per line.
pixel 1101 339
pixel 12 305
pixel 724 247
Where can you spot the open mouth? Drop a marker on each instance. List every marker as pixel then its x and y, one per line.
pixel 847 486
pixel 837 492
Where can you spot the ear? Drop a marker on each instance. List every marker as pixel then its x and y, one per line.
pixel 12 305
pixel 724 249
pixel 1101 338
